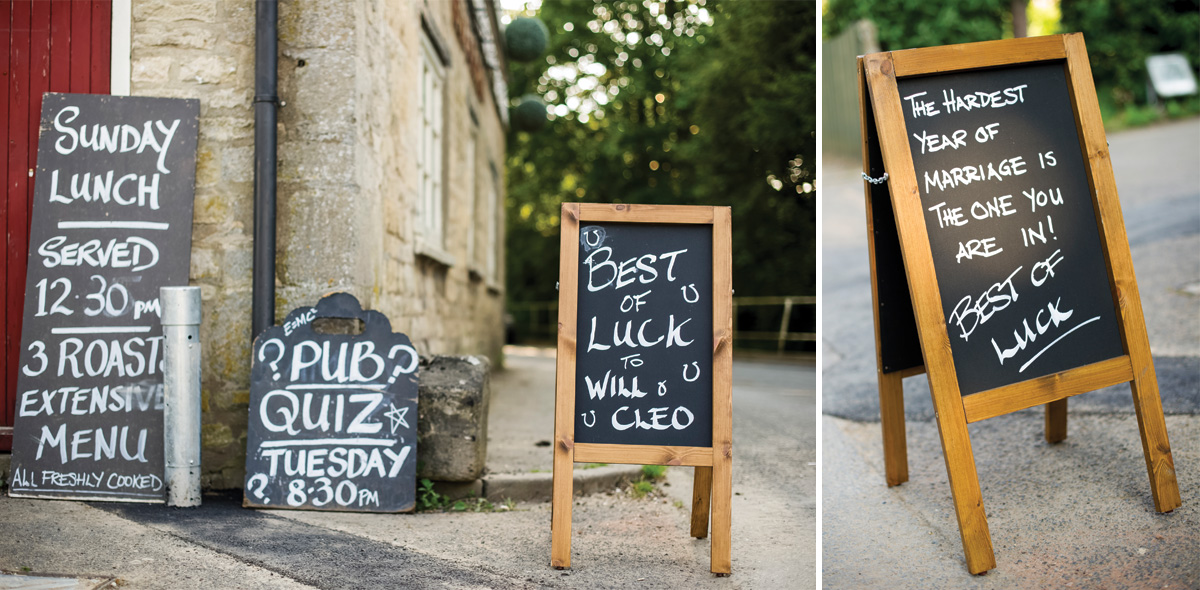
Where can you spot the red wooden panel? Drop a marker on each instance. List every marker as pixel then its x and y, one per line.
pixel 81 45
pixel 7 394
pixel 60 46
pixel 39 83
pixel 101 46
pixel 16 189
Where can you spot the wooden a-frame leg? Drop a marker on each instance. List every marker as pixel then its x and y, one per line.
pixel 1155 447
pixel 722 513
pixel 891 414
pixel 1056 421
pixel 964 486
pixel 701 494
pixel 560 509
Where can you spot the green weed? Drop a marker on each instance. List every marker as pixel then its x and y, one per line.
pixel 654 472
pixel 428 500
pixel 640 489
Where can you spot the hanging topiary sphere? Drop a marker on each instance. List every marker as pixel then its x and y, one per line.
pixel 529 114
pixel 526 38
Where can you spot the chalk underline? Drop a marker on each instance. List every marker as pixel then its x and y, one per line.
pixel 84 492
pixel 370 386
pixel 1064 335
pixel 113 225
pixel 361 442
pixel 102 330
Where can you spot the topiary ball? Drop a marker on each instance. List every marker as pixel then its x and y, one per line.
pixel 529 114
pixel 526 38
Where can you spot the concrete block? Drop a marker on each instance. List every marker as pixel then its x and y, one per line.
pixel 452 412
pixel 458 490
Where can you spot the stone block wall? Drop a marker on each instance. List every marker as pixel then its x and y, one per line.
pixel 349 127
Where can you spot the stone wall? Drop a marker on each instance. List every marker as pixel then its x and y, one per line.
pixel 349 127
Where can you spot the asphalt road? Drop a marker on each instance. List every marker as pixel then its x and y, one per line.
pixel 774 475
pixel 1158 177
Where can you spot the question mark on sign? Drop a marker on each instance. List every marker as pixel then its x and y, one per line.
pixel 259 477
pixel 262 356
pixel 412 363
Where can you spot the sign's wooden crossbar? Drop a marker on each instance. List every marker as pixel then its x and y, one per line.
pixel 713 479
pixel 880 102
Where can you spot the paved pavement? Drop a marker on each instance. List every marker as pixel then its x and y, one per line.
pixel 1075 514
pixel 618 541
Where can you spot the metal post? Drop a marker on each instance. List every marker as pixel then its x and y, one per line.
pixel 181 393
pixel 783 325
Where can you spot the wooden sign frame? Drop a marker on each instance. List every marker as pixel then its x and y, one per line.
pixel 713 465
pixel 886 149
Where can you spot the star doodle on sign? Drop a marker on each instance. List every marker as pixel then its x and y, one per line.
pixel 397 416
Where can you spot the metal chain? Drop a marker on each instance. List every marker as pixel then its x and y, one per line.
pixel 880 180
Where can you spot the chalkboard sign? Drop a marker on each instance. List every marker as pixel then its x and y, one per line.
pixel 111 223
pixel 333 417
pixel 1009 214
pixel 999 193
pixel 644 372
pixel 644 369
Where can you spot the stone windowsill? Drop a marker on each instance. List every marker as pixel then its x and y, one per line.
pixel 434 253
pixel 477 274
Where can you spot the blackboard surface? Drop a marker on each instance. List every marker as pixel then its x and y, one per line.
pixel 111 223
pixel 1016 248
pixel 333 417
pixel 644 353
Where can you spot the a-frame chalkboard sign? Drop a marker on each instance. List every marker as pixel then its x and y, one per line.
pixel 999 262
pixel 645 360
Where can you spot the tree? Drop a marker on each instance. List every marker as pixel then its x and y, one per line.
pixel 905 24
pixel 1121 34
pixel 675 103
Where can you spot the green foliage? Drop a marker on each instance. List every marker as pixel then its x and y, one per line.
pixel 640 489
pixel 673 103
pixel 529 114
pixel 428 499
pixel 905 24
pixel 654 472
pixel 525 38
pixel 1121 34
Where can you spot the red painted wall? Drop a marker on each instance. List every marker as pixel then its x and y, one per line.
pixel 50 46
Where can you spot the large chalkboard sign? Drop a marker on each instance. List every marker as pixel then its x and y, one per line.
pixel 645 313
pixel 987 168
pixel 333 416
pixel 644 354
pixel 1010 220
pixel 112 222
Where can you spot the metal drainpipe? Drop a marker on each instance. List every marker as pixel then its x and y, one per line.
pixel 265 143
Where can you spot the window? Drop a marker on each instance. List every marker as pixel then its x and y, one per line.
pixel 431 204
pixel 472 194
pixel 494 245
